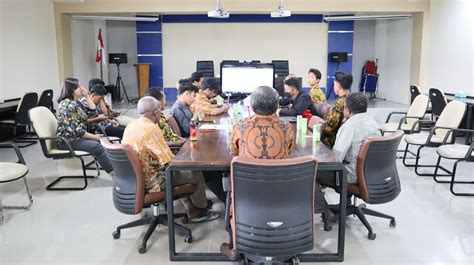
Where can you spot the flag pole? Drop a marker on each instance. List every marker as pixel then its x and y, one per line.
pixel 101 60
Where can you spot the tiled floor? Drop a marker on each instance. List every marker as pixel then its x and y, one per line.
pixel 74 227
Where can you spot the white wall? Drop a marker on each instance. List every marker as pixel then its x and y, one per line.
pixel 393 51
pixel 84 44
pixel 364 45
pixel 451 49
pixel 122 38
pixel 303 44
pixel 28 48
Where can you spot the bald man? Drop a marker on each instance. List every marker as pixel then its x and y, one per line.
pixel 145 137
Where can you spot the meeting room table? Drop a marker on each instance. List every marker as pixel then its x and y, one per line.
pixel 212 152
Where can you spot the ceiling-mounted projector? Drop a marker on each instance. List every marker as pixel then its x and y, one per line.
pixel 281 11
pixel 219 12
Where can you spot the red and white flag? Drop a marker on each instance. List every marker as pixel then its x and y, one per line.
pixel 100 48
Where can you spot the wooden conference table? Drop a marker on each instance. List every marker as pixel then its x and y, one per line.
pixel 211 152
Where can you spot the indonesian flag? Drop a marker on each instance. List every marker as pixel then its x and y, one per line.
pixel 100 48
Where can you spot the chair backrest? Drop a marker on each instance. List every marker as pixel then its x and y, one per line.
pixel 46 99
pixel 377 174
pixel 414 91
pixel 451 117
pixel 281 67
pixel 174 125
pixel 323 109
pixel 417 108
pixel 27 102
pixel 284 190
pixel 129 181
pixel 438 101
pixel 205 67
pixel 45 125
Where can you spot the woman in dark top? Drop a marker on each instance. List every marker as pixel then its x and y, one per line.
pixel 72 124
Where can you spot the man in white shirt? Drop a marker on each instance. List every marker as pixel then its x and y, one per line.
pixel 353 132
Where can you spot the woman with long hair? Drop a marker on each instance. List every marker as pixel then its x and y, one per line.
pixel 72 124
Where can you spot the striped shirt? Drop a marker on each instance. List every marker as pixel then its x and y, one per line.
pixel 350 137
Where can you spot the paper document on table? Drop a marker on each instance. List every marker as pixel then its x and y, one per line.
pixel 213 127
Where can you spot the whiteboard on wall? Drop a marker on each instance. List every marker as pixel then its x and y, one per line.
pixel 304 45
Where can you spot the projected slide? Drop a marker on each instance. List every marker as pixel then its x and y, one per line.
pixel 244 78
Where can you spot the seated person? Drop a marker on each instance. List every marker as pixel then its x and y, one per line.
pixel 172 140
pixel 145 137
pixel 209 89
pixel 72 124
pixel 357 128
pixel 297 102
pixel 196 79
pixel 251 134
pixel 317 95
pixel 96 114
pixel 181 108
pixel 342 86
pixel 103 104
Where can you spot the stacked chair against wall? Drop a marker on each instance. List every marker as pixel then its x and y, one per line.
pixel 277 186
pixel 457 152
pixel 414 92
pixel 205 67
pixel 21 119
pixel 45 125
pixel 377 179
pixel 11 172
pixel 449 118
pixel 129 194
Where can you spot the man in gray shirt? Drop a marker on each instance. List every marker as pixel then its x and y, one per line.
pixel 180 110
pixel 353 132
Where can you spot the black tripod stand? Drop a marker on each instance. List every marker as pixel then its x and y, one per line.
pixel 120 85
pixel 331 90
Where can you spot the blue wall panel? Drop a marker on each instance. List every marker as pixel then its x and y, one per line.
pixel 148 26
pixel 339 42
pixel 149 43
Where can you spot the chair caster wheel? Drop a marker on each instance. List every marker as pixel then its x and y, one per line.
pixel 188 239
pixel 393 223
pixel 116 234
pixel 142 249
pixel 185 220
pixel 327 227
pixel 371 236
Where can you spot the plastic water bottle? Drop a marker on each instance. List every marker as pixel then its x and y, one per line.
pixel 192 130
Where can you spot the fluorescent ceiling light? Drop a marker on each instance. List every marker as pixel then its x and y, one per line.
pixel 219 12
pixel 368 17
pixel 151 19
pixel 281 11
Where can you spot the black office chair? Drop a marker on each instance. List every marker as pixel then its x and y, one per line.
pixel 46 99
pixel 205 67
pixel 21 119
pixel 438 102
pixel 263 195
pixel 130 197
pixel 281 67
pixel 377 179
pixel 414 91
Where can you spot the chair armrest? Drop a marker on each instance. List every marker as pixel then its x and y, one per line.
pixel 226 184
pixel 395 112
pixel 403 120
pixel 421 123
pixel 21 160
pixel 69 147
pixel 451 130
